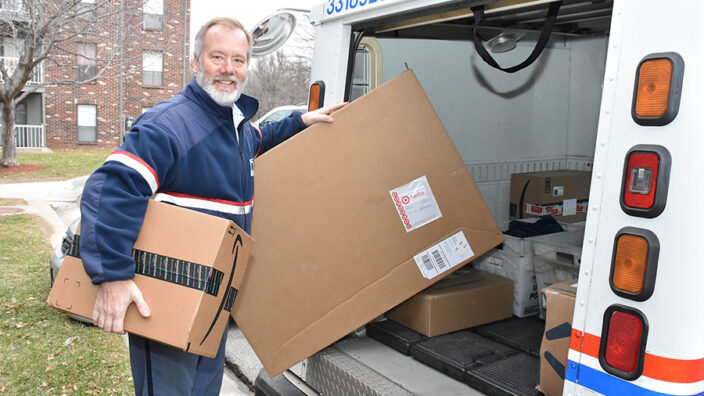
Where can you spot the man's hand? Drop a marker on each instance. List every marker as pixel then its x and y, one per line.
pixel 112 302
pixel 321 115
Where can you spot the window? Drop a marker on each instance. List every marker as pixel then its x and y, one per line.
pixel 87 68
pixel 152 68
pixel 367 68
pixel 87 121
pixel 86 10
pixel 360 76
pixel 21 113
pixel 11 48
pixel 153 15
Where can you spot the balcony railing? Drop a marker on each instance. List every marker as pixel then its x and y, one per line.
pixel 10 64
pixel 29 136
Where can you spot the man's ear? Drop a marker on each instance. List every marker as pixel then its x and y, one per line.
pixel 194 65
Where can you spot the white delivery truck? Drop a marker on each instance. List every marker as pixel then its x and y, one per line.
pixel 615 90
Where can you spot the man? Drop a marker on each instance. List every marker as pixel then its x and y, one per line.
pixel 194 150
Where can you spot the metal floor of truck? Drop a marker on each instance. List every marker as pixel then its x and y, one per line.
pixel 497 359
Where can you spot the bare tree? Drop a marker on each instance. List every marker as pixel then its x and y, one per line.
pixel 50 30
pixel 283 78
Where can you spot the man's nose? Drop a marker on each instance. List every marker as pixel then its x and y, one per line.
pixel 228 66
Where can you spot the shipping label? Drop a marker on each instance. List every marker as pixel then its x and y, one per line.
pixel 444 255
pixel 415 204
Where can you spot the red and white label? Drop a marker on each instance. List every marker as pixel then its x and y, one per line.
pixel 415 204
pixel 569 207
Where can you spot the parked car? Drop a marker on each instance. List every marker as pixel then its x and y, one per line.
pixel 279 113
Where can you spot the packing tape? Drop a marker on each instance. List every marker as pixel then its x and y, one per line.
pixel 170 269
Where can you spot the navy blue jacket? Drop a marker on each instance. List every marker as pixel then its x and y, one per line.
pixel 183 151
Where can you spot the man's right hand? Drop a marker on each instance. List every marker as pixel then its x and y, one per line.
pixel 112 302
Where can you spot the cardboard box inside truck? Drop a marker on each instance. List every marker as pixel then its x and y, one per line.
pixel 354 217
pixel 560 299
pixel 189 268
pixel 462 300
pixel 564 194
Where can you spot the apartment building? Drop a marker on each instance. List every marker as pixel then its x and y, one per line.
pixel 89 93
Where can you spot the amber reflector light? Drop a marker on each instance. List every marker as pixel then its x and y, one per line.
pixel 654 88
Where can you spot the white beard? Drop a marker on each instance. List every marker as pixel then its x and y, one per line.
pixel 221 98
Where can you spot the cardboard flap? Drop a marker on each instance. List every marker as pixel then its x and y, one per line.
pixel 214 311
pixel 332 249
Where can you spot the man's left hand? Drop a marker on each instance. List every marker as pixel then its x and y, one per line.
pixel 321 115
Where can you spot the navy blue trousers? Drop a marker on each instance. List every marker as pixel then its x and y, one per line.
pixel 159 369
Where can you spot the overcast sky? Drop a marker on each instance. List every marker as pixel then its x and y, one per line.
pixel 249 12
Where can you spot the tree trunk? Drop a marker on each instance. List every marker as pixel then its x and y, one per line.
pixel 9 149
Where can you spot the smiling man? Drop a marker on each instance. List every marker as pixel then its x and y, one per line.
pixel 194 150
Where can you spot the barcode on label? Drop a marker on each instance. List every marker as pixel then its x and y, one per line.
pixel 426 261
pixel 438 259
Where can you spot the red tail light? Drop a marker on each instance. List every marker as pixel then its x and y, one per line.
pixel 641 180
pixel 645 181
pixel 623 342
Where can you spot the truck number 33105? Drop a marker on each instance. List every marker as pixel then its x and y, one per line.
pixel 337 6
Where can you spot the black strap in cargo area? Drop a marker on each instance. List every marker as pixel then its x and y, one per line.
pixel 539 46
pixel 169 269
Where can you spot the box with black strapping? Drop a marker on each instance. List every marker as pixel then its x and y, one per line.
pixel 189 267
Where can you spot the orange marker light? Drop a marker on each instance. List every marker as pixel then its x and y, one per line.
pixel 630 264
pixel 316 96
pixel 658 88
pixel 634 264
pixel 653 87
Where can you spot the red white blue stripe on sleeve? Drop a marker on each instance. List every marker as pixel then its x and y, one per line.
pixel 214 204
pixel 136 163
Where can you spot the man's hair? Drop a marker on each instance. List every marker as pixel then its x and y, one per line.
pixel 228 22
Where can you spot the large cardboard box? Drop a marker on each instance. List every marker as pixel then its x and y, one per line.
pixel 354 217
pixel 560 299
pixel 460 301
pixel 563 194
pixel 189 268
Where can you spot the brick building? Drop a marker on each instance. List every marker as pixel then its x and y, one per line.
pixel 155 65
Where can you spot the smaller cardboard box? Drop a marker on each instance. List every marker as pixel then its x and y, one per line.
pixel 189 267
pixel 460 301
pixel 560 299
pixel 564 194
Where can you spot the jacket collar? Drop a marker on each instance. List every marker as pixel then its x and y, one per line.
pixel 247 104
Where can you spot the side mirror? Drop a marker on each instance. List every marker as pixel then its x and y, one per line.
pixel 272 32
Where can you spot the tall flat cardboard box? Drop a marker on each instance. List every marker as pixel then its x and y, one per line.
pixel 350 218
pixel 556 339
pixel 564 194
pixel 189 268
pixel 460 301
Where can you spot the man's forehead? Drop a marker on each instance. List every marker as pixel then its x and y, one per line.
pixel 220 29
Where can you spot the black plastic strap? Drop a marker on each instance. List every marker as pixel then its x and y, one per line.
pixel 539 46
pixel 230 301
pixel 169 269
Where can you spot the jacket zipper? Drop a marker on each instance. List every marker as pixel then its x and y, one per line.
pixel 244 165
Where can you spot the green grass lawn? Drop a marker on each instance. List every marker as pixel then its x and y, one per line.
pixel 32 334
pixel 56 165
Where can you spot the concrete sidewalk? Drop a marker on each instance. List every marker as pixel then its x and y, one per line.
pixel 57 203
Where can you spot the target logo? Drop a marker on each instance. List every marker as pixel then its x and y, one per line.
pixel 406 200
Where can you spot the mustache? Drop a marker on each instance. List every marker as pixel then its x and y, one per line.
pixel 225 78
